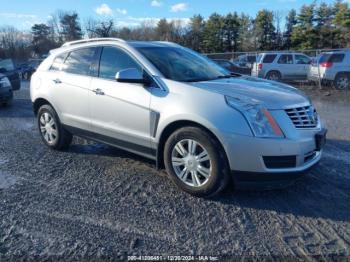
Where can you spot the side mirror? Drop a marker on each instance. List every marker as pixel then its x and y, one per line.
pixel 131 75
pixel 3 70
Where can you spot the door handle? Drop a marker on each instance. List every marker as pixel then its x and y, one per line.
pixel 98 91
pixel 57 81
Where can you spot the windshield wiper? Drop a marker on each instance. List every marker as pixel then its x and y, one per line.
pixel 229 76
pixel 198 80
pixel 211 79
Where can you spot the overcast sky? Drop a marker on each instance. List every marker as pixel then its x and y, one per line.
pixel 24 13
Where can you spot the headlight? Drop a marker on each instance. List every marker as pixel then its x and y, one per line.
pixel 259 119
pixel 4 82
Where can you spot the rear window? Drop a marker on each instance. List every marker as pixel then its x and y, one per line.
pixel 269 58
pixel 58 62
pixel 334 58
pixel 302 60
pixel 79 61
pixel 251 59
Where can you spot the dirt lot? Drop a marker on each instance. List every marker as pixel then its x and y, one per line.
pixel 99 201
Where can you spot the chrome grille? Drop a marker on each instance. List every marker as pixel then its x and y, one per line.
pixel 303 117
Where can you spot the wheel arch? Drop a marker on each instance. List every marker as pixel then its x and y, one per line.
pixel 172 127
pixel 342 73
pixel 38 103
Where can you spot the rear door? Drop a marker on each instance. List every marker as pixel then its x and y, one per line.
pixel 285 65
pixel 70 82
pixel 302 64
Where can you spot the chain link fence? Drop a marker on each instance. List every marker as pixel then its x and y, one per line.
pixel 248 63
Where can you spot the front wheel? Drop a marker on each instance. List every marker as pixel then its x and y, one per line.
pixel 51 130
pixel 195 162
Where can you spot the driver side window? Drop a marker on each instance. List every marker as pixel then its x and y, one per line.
pixel 114 60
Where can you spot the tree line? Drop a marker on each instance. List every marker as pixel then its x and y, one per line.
pixel 313 26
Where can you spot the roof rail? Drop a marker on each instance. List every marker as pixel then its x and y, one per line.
pixel 91 40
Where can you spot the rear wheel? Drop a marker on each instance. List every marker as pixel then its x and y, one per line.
pixel 273 75
pixel 51 130
pixel 195 162
pixel 342 81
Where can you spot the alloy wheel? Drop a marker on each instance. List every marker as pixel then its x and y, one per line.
pixel 191 162
pixel 48 128
pixel 343 82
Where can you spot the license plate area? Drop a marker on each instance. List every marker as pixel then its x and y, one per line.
pixel 320 139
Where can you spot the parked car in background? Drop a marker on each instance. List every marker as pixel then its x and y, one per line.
pixel 179 108
pixel 246 60
pixel 233 67
pixel 25 70
pixel 332 68
pixel 6 94
pixel 282 66
pixel 8 69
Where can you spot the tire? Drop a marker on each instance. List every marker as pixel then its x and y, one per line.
pixel 274 76
pixel 51 131
pixel 213 175
pixel 342 81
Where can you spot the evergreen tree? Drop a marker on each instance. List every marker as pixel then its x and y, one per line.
pixel 246 33
pixel 231 32
pixel 41 39
pixel 324 28
pixel 342 24
pixel 291 21
pixel 194 36
pixel 213 34
pixel 265 30
pixel 70 25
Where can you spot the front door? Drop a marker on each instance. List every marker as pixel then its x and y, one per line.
pixel 120 112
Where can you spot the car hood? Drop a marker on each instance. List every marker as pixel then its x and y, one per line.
pixel 272 95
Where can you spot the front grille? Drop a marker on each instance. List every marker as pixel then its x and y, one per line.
pixel 280 161
pixel 303 117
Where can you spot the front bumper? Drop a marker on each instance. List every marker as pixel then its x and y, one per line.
pixel 251 159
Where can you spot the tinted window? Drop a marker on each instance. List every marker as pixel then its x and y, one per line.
pixel 252 59
pixel 302 60
pixel 7 64
pixel 114 60
pixel 269 58
pixel 58 62
pixel 79 61
pixel 224 64
pixel 334 58
pixel 285 59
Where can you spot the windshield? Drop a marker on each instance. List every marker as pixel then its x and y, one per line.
pixel 182 64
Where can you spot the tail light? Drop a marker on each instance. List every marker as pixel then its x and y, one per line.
pixel 326 64
pixel 260 66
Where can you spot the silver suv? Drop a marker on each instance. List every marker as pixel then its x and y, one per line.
pixel 170 104
pixel 282 66
pixel 332 68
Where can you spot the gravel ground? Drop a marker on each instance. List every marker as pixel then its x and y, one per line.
pixel 94 200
